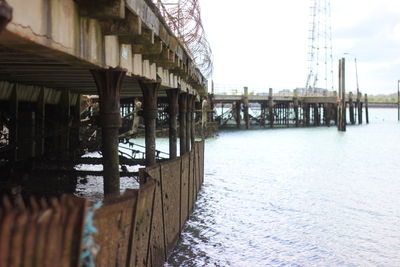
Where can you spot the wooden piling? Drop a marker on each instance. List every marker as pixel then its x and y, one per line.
pixel 316 115
pixel 238 113
pixel 351 109
pixel 40 116
pixel 173 107
pixel 296 109
pixel 64 123
pixel 109 83
pixel 270 108
pixel 342 97
pixel 246 107
pixel 360 106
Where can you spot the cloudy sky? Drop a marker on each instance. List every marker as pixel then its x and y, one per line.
pixel 264 43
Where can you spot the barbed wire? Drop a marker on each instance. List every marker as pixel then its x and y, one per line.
pixel 184 19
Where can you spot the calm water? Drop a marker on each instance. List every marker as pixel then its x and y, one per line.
pixel 299 197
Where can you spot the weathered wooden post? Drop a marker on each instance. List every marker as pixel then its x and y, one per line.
pixel 342 97
pixel 351 109
pixel 316 115
pixel 270 108
pixel 238 113
pixel 182 122
pixel 173 95
pixel 366 109
pixel 262 115
pixel 150 113
pixel 296 108
pixel 360 106
pixel 109 83
pixel 246 107
pixel 306 114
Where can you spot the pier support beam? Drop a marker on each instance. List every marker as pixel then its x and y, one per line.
pixel 342 97
pixel 237 110
pixel 359 107
pixel 317 120
pixel 109 83
pixel 262 115
pixel 296 109
pixel 246 107
pixel 351 109
pixel 270 108
pixel 182 123
pixel 306 114
pixel 173 95
pixel 150 113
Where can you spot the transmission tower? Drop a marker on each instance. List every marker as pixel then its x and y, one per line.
pixel 320 59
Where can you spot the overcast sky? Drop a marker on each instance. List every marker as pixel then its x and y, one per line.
pixel 264 43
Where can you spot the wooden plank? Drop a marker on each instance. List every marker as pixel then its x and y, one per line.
pixel 170 172
pixel 184 189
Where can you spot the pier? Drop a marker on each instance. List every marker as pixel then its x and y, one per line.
pixel 88 76
pixel 269 110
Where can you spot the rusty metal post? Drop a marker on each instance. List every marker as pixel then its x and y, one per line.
pixel 150 113
pixel 109 83
pixel 173 95
pixel 182 122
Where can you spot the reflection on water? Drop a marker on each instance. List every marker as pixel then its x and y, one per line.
pixel 298 197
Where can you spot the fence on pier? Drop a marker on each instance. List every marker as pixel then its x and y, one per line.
pixel 139 228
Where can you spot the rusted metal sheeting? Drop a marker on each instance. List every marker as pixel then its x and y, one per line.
pixel 140 255
pixel 171 176
pixel 114 224
pixel 41 232
pixel 192 185
pixel 185 188
pixel 157 242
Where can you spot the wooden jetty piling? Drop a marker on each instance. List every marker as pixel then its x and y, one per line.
pixel 270 108
pixel 173 108
pixel 351 109
pixel 238 115
pixel 342 97
pixel 296 109
pixel 246 107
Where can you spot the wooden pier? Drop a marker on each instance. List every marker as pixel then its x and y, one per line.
pixel 270 111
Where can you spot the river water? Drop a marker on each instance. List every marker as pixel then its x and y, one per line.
pixel 298 197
